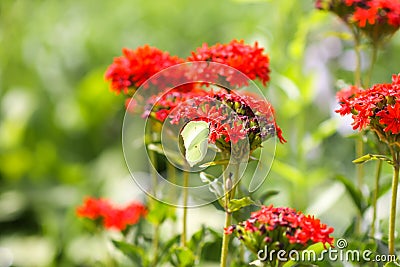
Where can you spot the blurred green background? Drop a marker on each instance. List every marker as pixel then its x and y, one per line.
pixel 60 126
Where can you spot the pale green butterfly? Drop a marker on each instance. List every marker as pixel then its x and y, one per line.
pixel 195 140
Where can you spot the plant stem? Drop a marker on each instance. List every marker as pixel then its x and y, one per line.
pixel 359 146
pixel 153 170
pixel 185 202
pixel 155 244
pixel 393 209
pixel 171 176
pixel 156 228
pixel 225 240
pixel 357 50
pixel 154 182
pixel 376 192
pixel 228 193
pixel 359 173
pixel 375 50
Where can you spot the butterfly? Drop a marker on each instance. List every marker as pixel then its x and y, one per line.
pixel 195 140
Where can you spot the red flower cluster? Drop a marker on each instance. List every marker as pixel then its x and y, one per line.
pixel 159 106
pixel 232 118
pixel 376 18
pixel 377 108
pixel 250 60
pixel 285 228
pixel 112 217
pixel 136 66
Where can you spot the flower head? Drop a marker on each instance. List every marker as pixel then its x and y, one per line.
pixel 377 19
pixel 135 67
pixel 93 208
pixel 282 228
pixel 112 217
pixel 160 105
pixel 250 60
pixel 376 108
pixel 233 119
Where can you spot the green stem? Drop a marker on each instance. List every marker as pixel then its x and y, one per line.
pixel 357 50
pixel 229 194
pixel 376 192
pixel 393 209
pixel 154 182
pixel 155 244
pixel 357 81
pixel 379 166
pixel 359 146
pixel 185 202
pixel 225 240
pixel 375 50
pixel 359 173
pixel 154 178
pixel 171 176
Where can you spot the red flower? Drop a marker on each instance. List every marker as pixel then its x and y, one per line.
pixel 391 118
pixel 352 2
pixel 161 115
pixel 291 229
pixel 250 60
pixel 363 15
pixel 112 217
pixel 376 108
pixel 136 66
pixel 229 230
pixel 235 132
pixel 121 218
pixel 160 106
pixel 94 208
pixel 344 98
pixel 377 19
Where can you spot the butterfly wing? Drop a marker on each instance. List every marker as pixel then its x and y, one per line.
pixel 195 140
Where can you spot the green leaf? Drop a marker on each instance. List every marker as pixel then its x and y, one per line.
pixel 237 204
pixel 354 192
pixel 166 247
pixel 207 178
pixel 267 195
pixel 369 157
pixel 383 189
pixel 182 257
pixel 351 229
pixel 195 141
pixel 291 173
pixel 156 147
pixel 196 242
pixel 218 204
pixel 159 212
pixel 223 162
pixel 257 263
pixel 392 264
pixel 214 163
pixel 136 254
pixel 212 246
